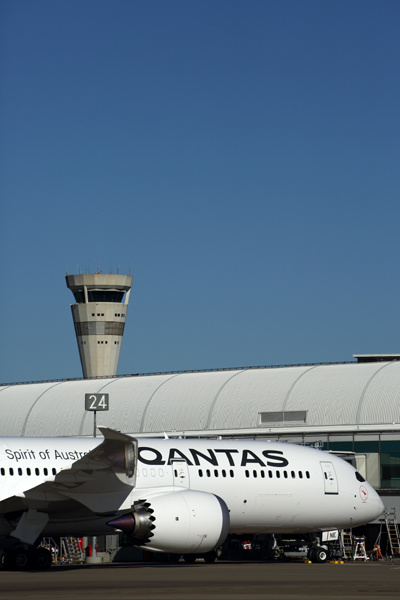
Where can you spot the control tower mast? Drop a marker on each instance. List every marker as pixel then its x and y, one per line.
pixel 99 317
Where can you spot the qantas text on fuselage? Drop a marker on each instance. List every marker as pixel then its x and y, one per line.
pixel 150 456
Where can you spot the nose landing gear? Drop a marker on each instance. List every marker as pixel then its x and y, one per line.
pixel 318 555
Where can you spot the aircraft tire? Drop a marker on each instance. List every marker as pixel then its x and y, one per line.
pixel 7 561
pixel 17 559
pixel 311 554
pixel 210 557
pixel 321 555
pixel 173 559
pixel 189 558
pixel 42 559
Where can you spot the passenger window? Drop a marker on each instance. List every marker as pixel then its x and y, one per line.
pixel 285 474
pixel 293 474
pixel 53 470
pixel 216 472
pixel 28 471
pixel 247 473
pixel 37 471
pixel 208 473
pixel 278 474
pixel 307 475
pixel 270 474
pixel 231 472
pixel 11 471
pixel 300 474
pixel 3 472
pixel 262 474
pixel 254 473
pixel 45 472
pixel 200 473
pixel 19 471
pixel 223 473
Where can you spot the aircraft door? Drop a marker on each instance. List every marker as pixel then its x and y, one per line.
pixel 180 472
pixel 330 479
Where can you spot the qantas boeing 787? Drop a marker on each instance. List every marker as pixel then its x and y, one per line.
pixel 170 495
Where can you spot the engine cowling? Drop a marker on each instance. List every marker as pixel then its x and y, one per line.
pixel 184 522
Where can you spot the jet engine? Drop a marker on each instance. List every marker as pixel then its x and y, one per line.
pixel 183 522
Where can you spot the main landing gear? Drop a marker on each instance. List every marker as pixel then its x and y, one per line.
pixel 20 559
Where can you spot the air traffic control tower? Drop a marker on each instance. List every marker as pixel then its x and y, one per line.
pixel 99 317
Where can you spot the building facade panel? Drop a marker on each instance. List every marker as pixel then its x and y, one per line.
pixel 129 401
pixel 250 392
pixel 184 402
pixel 16 405
pixel 381 400
pixel 332 393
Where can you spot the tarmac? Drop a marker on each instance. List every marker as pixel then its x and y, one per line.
pixel 200 581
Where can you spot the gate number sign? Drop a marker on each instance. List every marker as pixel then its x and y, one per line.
pixel 96 402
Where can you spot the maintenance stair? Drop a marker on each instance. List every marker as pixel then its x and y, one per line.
pixel 346 542
pixel 71 551
pixel 392 528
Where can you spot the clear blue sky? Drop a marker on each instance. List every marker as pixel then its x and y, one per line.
pixel 240 157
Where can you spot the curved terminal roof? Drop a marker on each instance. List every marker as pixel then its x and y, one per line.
pixel 316 396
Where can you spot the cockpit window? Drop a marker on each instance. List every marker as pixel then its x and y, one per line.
pixel 359 477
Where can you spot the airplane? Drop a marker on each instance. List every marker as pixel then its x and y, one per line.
pixel 180 496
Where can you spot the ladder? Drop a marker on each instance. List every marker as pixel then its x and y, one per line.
pixel 50 544
pixel 71 551
pixel 392 528
pixel 359 548
pixel 346 542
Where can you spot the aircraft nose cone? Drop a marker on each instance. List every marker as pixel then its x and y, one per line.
pixel 373 504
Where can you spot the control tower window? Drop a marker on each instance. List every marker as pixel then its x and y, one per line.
pixel 99 296
pixel 79 297
pixel 105 296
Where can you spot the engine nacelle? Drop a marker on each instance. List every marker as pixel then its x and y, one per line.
pixel 184 522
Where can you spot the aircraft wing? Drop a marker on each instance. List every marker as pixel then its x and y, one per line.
pixel 101 480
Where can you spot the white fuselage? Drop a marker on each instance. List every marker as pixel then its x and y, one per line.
pixel 268 487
